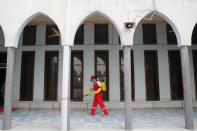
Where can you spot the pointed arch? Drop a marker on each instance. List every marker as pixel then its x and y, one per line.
pixel 167 19
pixel 96 12
pixel 29 19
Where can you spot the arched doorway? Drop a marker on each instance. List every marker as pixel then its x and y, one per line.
pixel 96 51
pixel 157 60
pixel 94 37
pixel 38 52
pixel 35 70
pixel 159 63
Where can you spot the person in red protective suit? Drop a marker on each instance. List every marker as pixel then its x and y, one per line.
pixel 98 96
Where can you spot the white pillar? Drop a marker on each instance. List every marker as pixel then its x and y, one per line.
pixel 8 88
pixel 186 72
pixel 65 111
pixel 127 83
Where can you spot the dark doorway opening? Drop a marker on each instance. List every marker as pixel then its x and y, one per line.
pixel 27 76
pixel 3 60
pixel 77 76
pixel 194 52
pixel 51 75
pixel 102 70
pixel 151 75
pixel 176 82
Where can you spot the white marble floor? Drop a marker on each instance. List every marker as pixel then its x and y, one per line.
pixel 143 119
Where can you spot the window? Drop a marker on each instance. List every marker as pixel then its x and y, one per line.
pixel 52 35
pixel 29 35
pixel 194 36
pixel 176 83
pixel 151 75
pixel 3 61
pixel 122 97
pixel 79 37
pixel 101 34
pixel 27 76
pixel 149 33
pixel 195 68
pixel 77 76
pixel 51 75
pixel 102 70
pixel 171 37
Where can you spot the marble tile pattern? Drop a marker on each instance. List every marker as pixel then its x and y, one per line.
pixel 142 118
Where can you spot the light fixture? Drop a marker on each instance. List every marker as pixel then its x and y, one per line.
pixel 129 25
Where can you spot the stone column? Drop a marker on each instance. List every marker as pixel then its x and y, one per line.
pixel 65 110
pixel 8 88
pixel 189 120
pixel 127 82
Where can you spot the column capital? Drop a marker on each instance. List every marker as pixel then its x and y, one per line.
pixel 10 42
pixel 66 45
pixel 11 47
pixel 129 46
pixel 127 37
pixel 184 43
pixel 63 99
pixel 181 46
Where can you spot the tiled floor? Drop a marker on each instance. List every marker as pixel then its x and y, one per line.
pixel 142 119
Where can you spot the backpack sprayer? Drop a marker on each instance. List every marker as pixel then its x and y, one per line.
pixel 89 92
pixel 103 88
